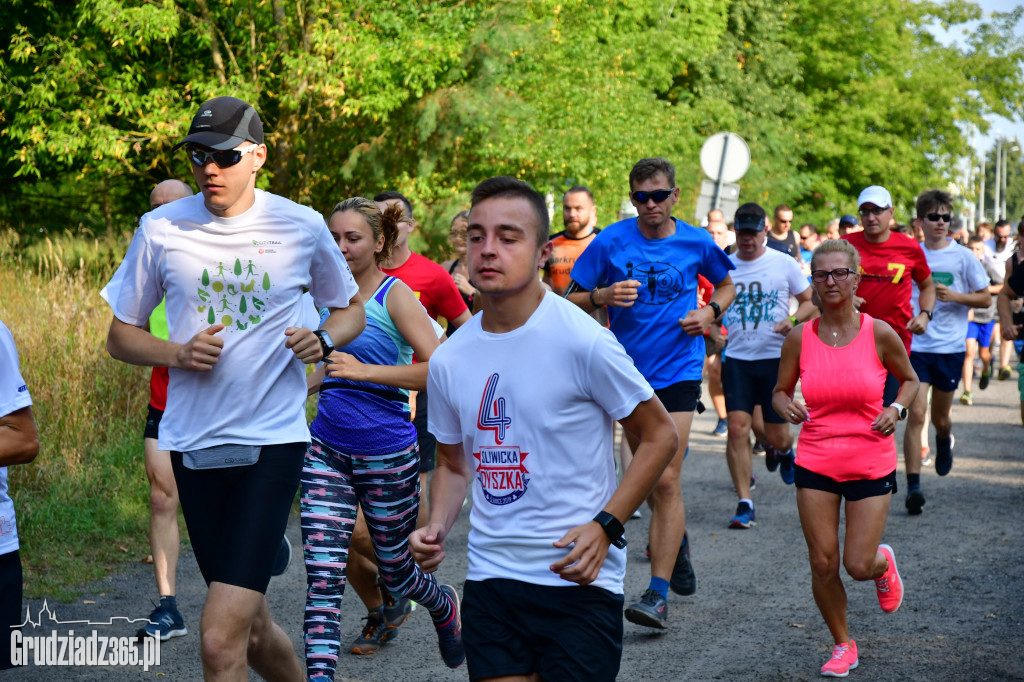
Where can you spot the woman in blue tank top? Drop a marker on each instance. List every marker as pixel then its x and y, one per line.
pixel 363 451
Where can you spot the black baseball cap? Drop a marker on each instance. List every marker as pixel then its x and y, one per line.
pixel 224 123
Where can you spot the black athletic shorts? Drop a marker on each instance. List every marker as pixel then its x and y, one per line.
pixel 424 438
pixel 941 370
pixel 511 627
pixel 681 396
pixel 892 388
pixel 10 603
pixel 851 490
pixel 236 516
pixel 153 418
pixel 748 383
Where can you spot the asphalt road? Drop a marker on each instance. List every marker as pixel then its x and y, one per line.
pixel 753 617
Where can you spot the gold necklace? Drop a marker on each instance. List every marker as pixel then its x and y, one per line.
pixel 836 336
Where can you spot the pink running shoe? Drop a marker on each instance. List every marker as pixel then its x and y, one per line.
pixel 890 585
pixel 844 659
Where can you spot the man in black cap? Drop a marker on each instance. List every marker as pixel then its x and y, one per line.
pixel 233 262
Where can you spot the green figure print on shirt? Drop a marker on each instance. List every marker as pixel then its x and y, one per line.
pixel 233 294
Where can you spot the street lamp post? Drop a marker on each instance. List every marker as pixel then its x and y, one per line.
pixel 1006 155
pixel 999 166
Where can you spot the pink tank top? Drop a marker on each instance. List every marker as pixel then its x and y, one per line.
pixel 842 388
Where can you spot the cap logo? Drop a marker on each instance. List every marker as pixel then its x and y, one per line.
pixel 207 113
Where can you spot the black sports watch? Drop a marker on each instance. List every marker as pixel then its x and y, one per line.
pixel 326 343
pixel 717 308
pixel 612 528
pixel 928 313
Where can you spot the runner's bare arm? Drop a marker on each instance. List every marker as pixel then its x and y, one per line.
pixel 1009 330
pixel 783 402
pixel 893 355
pixel 19 440
pixel 343 324
pixel 136 346
pixel 926 301
pixel 619 295
pixel 447 493
pixel 975 299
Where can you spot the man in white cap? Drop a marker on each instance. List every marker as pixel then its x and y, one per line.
pixel 233 262
pixel 889 262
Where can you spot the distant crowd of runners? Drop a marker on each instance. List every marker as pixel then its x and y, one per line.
pixel 230 293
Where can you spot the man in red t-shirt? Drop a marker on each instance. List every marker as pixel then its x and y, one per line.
pixel 436 290
pixel 889 261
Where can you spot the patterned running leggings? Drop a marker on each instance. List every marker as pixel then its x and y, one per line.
pixel 333 484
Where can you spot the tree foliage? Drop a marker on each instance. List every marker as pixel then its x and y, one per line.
pixel 430 97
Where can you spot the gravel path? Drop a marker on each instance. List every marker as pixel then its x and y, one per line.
pixel 753 617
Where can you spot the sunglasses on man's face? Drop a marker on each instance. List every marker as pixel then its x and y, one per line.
pixel 865 212
pixel 225 158
pixel 937 217
pixel 659 195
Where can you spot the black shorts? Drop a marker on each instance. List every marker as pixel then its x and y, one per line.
pixel 10 603
pixel 748 383
pixel 892 388
pixel 941 370
pixel 681 396
pixel 851 490
pixel 424 438
pixel 153 418
pixel 511 627
pixel 236 516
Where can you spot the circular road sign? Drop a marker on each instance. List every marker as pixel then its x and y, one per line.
pixel 727 167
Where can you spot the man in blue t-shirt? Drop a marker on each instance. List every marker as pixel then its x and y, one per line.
pixel 644 270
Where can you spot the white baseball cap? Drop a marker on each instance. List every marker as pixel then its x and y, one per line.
pixel 875 194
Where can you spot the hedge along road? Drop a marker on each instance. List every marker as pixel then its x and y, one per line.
pixel 752 617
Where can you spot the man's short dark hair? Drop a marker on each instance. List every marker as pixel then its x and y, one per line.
pixel 751 208
pixel 505 187
pixel 392 194
pixel 931 200
pixel 576 189
pixel 1000 223
pixel 781 207
pixel 975 239
pixel 645 169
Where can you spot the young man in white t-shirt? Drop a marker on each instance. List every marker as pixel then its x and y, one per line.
pixel 524 398
pixel 937 355
pixel 19 444
pixel 233 262
pixel 758 321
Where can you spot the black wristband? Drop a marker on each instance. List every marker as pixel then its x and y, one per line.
pixel 928 313
pixel 592 301
pixel 717 308
pixel 612 528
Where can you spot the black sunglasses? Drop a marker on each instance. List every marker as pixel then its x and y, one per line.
pixel 838 275
pixel 225 158
pixel 873 211
pixel 659 195
pixel 936 217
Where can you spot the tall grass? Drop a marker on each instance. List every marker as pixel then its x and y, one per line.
pixel 82 505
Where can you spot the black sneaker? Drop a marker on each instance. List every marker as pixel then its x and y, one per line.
pixel 449 633
pixel 651 611
pixel 943 455
pixel 771 458
pixel 684 580
pixel 283 558
pixel 371 638
pixel 396 609
pixel 985 378
pixel 915 500
pixel 165 622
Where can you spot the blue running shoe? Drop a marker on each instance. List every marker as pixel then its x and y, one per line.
pixel 283 558
pixel 744 518
pixel 786 470
pixel 449 633
pixel 165 622
pixel 721 429
pixel 943 455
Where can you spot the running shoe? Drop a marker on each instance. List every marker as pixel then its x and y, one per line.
pixel 373 636
pixel 926 456
pixel 396 609
pixel 283 558
pixel 744 518
pixel 966 398
pixel 165 622
pixel 890 585
pixel 786 469
pixel 759 448
pixel 721 429
pixel 915 500
pixel 985 378
pixel 771 458
pixel 943 455
pixel 684 580
pixel 637 514
pixel 753 484
pixel 449 633
pixel 844 659
pixel 1004 373
pixel 651 611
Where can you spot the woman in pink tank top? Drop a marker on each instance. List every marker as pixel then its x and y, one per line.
pixel 846 447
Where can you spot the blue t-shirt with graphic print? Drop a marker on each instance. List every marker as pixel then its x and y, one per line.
pixel 667 270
